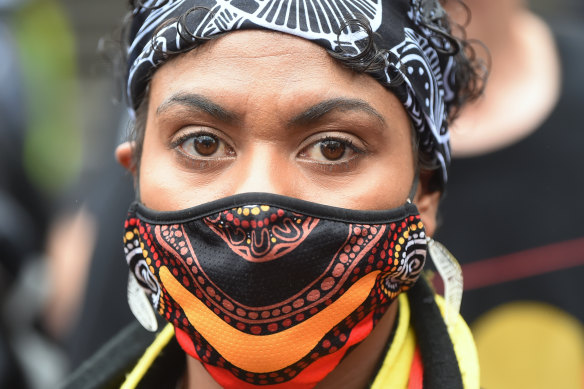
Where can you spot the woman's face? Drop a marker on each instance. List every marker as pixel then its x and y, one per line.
pixel 258 111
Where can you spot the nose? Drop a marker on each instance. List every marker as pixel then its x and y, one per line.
pixel 265 168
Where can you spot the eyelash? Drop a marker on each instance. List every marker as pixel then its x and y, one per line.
pixel 331 166
pixel 180 139
pixel 192 161
pixel 348 142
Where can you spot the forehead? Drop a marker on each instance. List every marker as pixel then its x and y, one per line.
pixel 274 68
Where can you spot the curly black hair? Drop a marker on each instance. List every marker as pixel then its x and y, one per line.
pixel 447 38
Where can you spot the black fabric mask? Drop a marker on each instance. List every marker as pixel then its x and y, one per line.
pixel 266 289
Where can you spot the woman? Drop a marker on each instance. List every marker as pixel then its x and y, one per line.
pixel 278 149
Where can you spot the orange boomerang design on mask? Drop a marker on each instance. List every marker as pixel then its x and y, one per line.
pixel 269 290
pixel 255 353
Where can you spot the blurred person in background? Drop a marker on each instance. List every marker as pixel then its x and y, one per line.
pixel 80 273
pixel 91 307
pixel 37 124
pixel 102 310
pixel 517 187
pixel 20 235
pixel 82 183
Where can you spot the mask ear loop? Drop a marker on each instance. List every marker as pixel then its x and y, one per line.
pixel 448 268
pixel 414 187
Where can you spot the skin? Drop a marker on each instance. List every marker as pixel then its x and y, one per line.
pixel 278 106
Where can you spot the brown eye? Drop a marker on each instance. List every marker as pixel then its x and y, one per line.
pixel 205 145
pixel 338 153
pixel 332 149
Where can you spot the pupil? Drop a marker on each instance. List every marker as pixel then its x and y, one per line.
pixel 332 149
pixel 206 144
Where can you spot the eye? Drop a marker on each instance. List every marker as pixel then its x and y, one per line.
pixel 330 150
pixel 203 145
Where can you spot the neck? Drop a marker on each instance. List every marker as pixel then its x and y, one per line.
pixel 357 368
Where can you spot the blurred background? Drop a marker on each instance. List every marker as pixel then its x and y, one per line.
pixel 63 201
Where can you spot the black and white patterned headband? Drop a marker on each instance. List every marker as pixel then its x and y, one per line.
pixel 417 63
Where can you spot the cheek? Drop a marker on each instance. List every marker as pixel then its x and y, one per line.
pixel 383 180
pixel 167 185
pixel 386 184
pixel 389 176
pixel 155 190
pixel 160 182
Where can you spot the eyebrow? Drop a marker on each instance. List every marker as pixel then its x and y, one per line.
pixel 321 109
pixel 314 113
pixel 200 103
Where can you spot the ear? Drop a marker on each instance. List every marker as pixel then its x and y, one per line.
pixel 124 155
pixel 427 202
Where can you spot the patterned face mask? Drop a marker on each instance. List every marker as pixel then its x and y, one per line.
pixel 265 289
